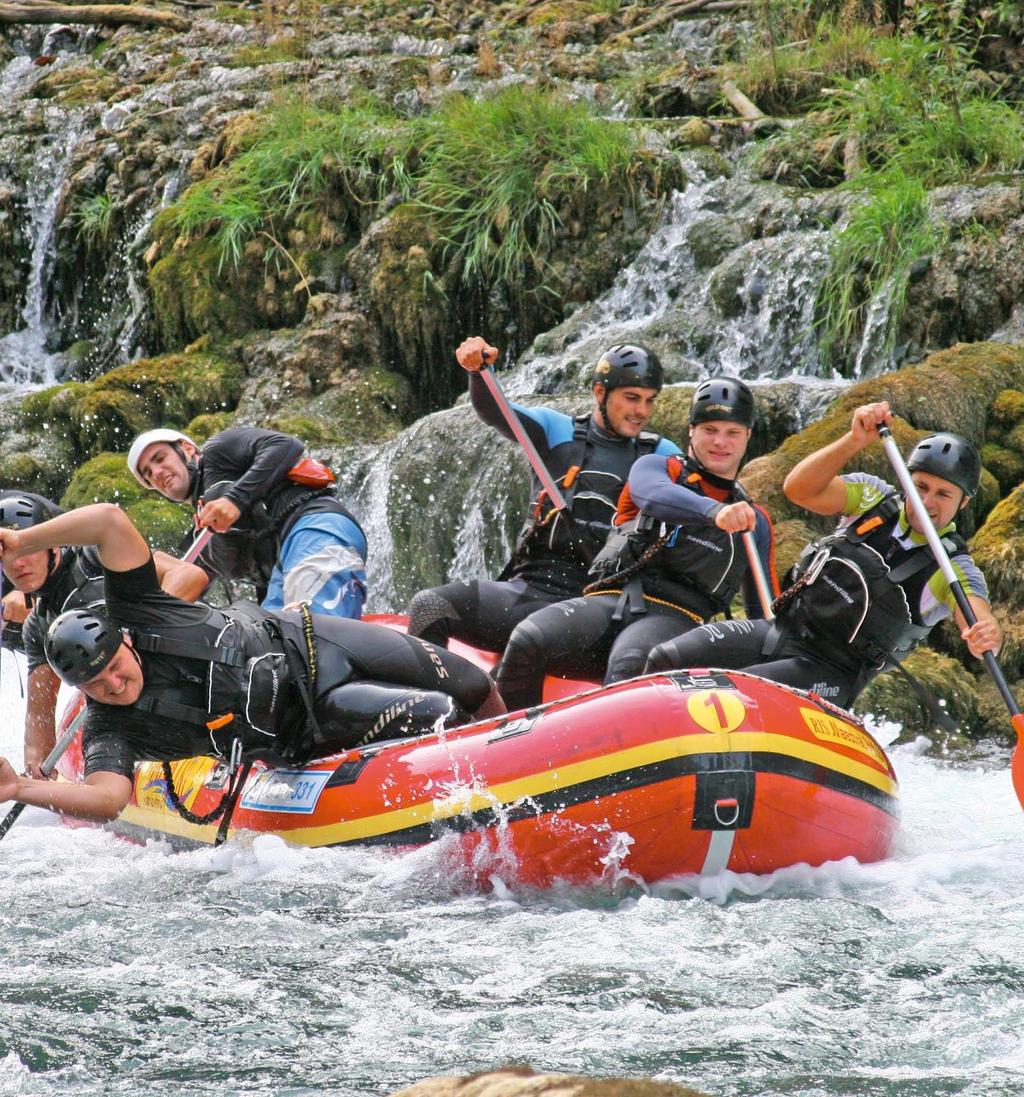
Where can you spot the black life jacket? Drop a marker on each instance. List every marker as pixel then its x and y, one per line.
pixel 699 567
pixel 255 686
pixel 591 478
pixel 860 591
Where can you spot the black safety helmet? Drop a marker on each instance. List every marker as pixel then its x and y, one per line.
pixel 24 509
pixel 723 398
pixel 628 364
pixel 950 456
pixel 622 365
pixel 80 643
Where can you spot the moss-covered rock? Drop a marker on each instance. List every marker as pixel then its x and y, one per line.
pixel 950 390
pixel 1008 408
pixel 1006 465
pixel 107 413
pixel 952 684
pixel 106 479
pixel 998 549
pixel 77 85
pixel 196 293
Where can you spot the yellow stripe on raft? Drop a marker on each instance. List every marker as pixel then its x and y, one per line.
pixel 561 777
pixel 535 784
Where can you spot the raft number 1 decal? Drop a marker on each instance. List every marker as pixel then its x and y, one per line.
pixel 714 710
pixel 294 791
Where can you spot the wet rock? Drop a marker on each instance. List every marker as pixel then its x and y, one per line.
pixel 524 1082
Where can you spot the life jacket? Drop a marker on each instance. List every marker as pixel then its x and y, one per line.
pixel 857 591
pixel 591 480
pixel 694 566
pixel 255 542
pixel 256 686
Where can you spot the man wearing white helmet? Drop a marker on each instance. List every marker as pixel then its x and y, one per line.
pixel 278 522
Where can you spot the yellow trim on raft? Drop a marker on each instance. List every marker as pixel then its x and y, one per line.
pixel 560 777
pixel 536 784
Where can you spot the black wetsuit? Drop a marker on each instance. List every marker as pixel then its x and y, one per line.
pixel 551 562
pixel 371 683
pixel 249 467
pixel 76 582
pixel 845 625
pixel 691 577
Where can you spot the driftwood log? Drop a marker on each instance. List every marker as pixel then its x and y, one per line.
pixel 39 11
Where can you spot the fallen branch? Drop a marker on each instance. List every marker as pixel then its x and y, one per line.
pixel 36 11
pixel 671 10
pixel 740 103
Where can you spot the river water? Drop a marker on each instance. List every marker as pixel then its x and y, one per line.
pixel 260 969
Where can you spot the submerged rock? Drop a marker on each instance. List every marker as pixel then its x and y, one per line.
pixel 524 1082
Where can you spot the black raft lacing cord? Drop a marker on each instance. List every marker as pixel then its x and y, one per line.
pixel 190 816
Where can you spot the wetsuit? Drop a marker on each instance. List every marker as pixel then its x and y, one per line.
pixel 870 600
pixel 294 543
pixel 370 682
pixel 665 568
pixel 76 582
pixel 551 559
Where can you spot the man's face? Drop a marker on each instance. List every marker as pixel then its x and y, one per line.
pixel 720 445
pixel 120 681
pixel 162 468
pixel 628 408
pixel 942 500
pixel 28 573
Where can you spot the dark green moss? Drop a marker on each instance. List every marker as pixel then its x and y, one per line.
pixel 106 479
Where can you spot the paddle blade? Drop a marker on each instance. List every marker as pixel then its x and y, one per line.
pixel 1017 765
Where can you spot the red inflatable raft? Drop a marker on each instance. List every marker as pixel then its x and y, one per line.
pixel 689 772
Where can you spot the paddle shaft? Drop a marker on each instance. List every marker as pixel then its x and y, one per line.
pixel 514 425
pixel 49 763
pixel 764 593
pixel 946 566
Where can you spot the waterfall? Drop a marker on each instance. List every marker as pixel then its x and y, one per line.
pixel 25 357
pixel 726 283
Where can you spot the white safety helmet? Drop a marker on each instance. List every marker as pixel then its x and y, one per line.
pixel 145 440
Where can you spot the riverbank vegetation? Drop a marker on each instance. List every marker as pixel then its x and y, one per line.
pixel 896 105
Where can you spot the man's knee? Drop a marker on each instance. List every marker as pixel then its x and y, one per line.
pixel 432 616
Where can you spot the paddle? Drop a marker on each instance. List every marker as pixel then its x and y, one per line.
pixel 514 425
pixel 49 763
pixel 946 567
pixel 764 594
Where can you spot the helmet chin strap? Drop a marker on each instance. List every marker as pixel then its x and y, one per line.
pixel 602 407
pixel 191 467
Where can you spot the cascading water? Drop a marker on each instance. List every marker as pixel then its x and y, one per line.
pixel 24 356
pixel 728 282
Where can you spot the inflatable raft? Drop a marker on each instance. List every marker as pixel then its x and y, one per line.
pixel 669 774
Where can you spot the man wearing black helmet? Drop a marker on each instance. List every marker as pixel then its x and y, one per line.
pixel 166 679
pixel 673 560
pixel 277 519
pixel 589 458
pixel 864 596
pixel 47 583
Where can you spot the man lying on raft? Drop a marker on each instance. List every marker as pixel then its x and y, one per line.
pixel 675 558
pixel 588 457
pixel 166 679
pixel 867 594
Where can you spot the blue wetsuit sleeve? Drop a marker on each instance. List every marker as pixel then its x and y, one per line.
pixel 764 538
pixel 657 494
pixel 545 427
pixel 666 448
